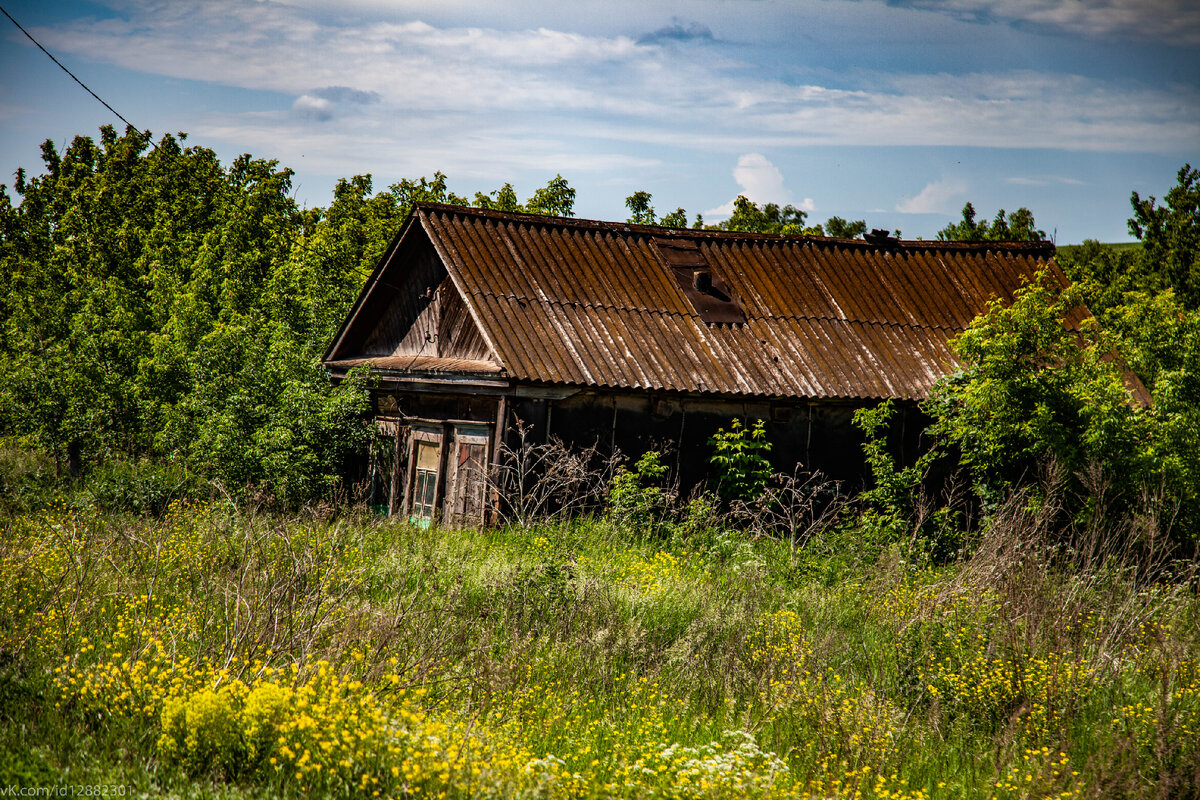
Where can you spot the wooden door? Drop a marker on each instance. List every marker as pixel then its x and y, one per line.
pixel 424 478
pixel 466 497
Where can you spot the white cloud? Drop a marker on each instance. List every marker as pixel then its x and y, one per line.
pixel 619 88
pixel 1021 180
pixel 480 98
pixel 322 104
pixel 489 153
pixel 935 198
pixel 762 182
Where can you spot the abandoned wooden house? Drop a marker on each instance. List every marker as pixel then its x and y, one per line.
pixel 637 338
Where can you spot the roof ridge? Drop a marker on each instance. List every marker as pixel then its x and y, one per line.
pixel 591 298
pixel 727 236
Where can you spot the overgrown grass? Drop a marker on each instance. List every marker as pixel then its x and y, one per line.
pixel 218 653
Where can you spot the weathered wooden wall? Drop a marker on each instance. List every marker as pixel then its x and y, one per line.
pixel 443 328
pixel 397 320
pixel 816 435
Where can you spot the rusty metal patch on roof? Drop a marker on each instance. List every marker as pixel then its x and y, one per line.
pixel 699 282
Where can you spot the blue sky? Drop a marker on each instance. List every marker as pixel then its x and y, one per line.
pixel 895 112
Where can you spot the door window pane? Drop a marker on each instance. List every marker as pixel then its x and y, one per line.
pixel 425 481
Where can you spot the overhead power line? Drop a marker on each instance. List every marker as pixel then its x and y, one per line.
pixel 299 241
pixel 63 67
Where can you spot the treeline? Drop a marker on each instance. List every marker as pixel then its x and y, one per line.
pixel 163 315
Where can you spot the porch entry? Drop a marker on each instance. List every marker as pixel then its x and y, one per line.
pixel 447 478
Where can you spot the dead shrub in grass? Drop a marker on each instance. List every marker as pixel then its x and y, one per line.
pixel 540 481
pixel 792 508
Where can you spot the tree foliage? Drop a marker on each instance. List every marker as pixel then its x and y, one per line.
pixel 1032 391
pixel 839 228
pixel 1036 393
pixel 156 304
pixel 145 317
pixel 747 216
pixel 555 199
pixel 642 213
pixel 1170 235
pixel 1107 273
pixel 1020 227
pixel 1145 296
pixel 770 218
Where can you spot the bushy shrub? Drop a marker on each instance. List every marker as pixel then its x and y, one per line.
pixel 1040 396
pixel 267 707
pixel 899 510
pixel 140 487
pixel 1034 390
pixel 740 459
pixel 201 731
pixel 27 479
pixel 634 497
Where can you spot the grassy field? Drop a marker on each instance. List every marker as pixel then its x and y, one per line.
pixel 214 653
pixel 1072 248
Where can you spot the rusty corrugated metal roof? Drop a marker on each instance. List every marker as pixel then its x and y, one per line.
pixel 567 301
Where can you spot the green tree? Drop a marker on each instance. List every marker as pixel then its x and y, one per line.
pixel 556 199
pixel 91 257
pixel 839 228
pixel 157 304
pixel 966 229
pixel 642 213
pixel 770 218
pixel 503 199
pixel 142 316
pixel 1170 235
pixel 677 219
pixel 747 216
pixel 1106 273
pixel 1160 339
pixel 640 210
pixel 1034 391
pixel 1020 227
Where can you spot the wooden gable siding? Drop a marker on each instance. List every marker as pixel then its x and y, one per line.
pixel 427 317
pixel 444 328
pixel 410 301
